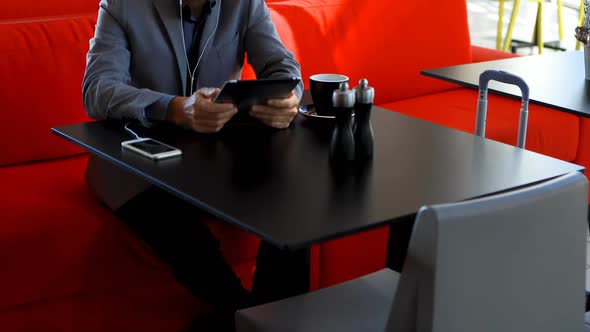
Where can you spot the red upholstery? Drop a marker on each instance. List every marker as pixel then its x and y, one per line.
pixel 41 69
pixel 348 258
pixel 139 308
pixel 69 262
pixel 69 265
pixel 549 132
pixel 379 39
pixel 239 248
pixel 480 54
pixel 27 9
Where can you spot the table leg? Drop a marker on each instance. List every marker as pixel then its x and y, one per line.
pixel 399 239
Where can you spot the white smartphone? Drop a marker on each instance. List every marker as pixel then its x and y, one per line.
pixel 151 148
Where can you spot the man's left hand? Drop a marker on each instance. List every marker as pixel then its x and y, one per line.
pixel 277 113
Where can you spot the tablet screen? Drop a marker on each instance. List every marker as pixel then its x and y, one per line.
pixel 256 92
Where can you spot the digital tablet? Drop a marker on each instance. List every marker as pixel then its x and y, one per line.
pixel 246 93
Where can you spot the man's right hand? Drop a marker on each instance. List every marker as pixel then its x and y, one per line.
pixel 199 113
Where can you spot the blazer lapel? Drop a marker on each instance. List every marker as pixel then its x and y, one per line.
pixel 170 16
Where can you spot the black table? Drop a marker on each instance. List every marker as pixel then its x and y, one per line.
pixel 555 80
pixel 281 186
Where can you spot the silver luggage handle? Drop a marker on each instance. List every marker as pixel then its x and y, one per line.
pixel 482 102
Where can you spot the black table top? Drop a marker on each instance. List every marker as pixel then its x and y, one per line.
pixel 280 185
pixel 555 80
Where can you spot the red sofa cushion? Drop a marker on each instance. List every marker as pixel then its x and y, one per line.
pixel 26 9
pixel 63 251
pixel 344 259
pixel 41 68
pixel 388 42
pixel 550 132
pixel 239 248
pixel 146 308
pixel 68 219
pixel 481 54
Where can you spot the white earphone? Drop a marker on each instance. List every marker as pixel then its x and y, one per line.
pixel 192 73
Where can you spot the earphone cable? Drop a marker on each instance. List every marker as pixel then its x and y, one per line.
pixel 192 73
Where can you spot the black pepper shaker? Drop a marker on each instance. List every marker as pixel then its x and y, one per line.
pixel 363 132
pixel 342 145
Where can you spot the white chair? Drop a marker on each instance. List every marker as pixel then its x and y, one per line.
pixel 509 262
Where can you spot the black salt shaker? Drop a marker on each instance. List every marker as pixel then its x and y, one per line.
pixel 363 132
pixel 342 145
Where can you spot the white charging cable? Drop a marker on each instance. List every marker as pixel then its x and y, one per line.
pixel 194 71
pixel 131 131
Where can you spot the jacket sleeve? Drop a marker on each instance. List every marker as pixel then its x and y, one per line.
pixel 266 53
pixel 107 89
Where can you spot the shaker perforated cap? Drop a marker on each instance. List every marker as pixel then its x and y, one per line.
pixel 364 93
pixel 343 97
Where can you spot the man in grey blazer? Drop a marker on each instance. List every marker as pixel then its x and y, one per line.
pixel 154 61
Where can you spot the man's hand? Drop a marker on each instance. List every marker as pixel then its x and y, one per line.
pixel 199 113
pixel 277 113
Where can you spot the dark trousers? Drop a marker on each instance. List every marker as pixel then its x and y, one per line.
pixel 176 232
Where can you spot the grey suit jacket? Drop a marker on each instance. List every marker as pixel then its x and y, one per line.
pixel 136 57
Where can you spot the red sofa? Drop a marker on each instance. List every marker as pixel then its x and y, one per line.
pixel 69 265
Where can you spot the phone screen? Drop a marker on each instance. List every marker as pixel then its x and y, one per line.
pixel 151 146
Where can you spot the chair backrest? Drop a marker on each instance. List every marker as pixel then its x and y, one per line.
pixel 508 262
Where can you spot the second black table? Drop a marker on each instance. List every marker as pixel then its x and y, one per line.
pixel 556 80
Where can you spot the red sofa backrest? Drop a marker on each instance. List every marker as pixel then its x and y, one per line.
pixel 41 68
pixel 388 42
pixel 28 9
